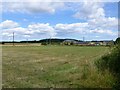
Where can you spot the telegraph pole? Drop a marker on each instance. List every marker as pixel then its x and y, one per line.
pixel 50 40
pixel 27 40
pixel 83 39
pixel 13 38
pixel 46 41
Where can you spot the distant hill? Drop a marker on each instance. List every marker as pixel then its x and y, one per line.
pixel 43 41
pixel 53 41
pixel 56 41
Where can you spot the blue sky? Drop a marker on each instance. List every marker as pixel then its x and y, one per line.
pixel 38 20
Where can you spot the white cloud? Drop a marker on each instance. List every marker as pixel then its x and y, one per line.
pixel 89 9
pixel 37 6
pixel 82 28
pixel 59 0
pixel 105 23
pixel 100 31
pixel 92 11
pixel 33 31
pixel 41 28
pixel 45 30
pixel 8 24
pixel 72 28
pixel 95 16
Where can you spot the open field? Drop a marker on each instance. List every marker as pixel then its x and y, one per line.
pixel 53 66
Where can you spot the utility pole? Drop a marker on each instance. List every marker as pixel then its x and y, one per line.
pixel 50 40
pixel 13 38
pixel 27 40
pixel 46 41
pixel 83 39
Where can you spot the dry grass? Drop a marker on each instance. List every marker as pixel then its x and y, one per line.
pixel 54 66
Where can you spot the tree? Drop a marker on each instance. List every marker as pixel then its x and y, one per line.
pixel 117 40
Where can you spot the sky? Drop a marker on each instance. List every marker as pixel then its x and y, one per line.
pixel 93 20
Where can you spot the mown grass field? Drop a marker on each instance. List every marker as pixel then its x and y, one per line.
pixel 53 66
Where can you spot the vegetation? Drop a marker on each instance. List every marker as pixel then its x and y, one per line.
pixel 54 66
pixel 43 41
pixel 52 41
pixel 111 62
pixel 117 41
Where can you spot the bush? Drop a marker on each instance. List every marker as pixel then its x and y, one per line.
pixel 102 63
pixel 111 62
pixel 117 40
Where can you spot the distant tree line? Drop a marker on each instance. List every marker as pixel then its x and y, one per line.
pixel 43 41
pixel 66 42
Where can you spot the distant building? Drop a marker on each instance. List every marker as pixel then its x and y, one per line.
pixel 69 42
pixel 108 42
pixel 82 43
pixel 103 43
pixel 88 43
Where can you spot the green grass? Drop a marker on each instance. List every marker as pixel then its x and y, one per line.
pixel 54 66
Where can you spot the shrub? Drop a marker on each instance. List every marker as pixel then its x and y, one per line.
pixel 111 62
pixel 117 40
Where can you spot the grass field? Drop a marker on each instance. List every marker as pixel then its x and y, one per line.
pixel 53 66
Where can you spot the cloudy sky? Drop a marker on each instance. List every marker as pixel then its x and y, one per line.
pixel 37 20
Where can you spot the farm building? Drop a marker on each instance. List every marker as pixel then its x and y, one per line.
pixel 69 42
pixel 88 43
pixel 103 43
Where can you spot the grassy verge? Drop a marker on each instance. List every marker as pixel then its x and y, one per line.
pixel 54 66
